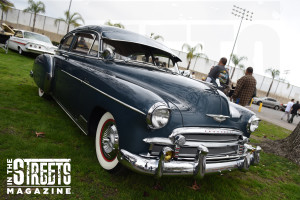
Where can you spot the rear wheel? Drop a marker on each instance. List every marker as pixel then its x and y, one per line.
pixel 258 103
pixel 107 143
pixel 276 107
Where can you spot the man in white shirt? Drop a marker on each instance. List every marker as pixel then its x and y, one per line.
pixel 288 109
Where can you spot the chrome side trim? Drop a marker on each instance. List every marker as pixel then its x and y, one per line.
pixel 124 104
pixel 66 111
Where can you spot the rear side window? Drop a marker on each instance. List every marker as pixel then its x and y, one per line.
pixel 86 44
pixel 67 43
pixel 19 34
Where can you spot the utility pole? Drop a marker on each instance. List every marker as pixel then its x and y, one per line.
pixel 70 6
pixel 243 14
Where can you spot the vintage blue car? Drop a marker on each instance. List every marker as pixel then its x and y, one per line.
pixel 126 90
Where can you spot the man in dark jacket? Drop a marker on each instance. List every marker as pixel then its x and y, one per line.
pixel 219 76
pixel 294 111
pixel 245 88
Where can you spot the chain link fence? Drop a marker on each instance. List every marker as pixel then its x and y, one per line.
pixel 46 25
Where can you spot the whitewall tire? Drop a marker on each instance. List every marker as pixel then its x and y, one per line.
pixel 107 142
pixel 41 92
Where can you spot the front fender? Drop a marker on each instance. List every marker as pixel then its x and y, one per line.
pixel 43 68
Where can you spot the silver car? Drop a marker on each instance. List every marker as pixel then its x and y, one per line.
pixel 267 102
pixel 26 41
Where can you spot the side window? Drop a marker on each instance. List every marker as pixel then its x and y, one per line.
pixel 67 43
pixel 19 34
pixel 95 48
pixel 86 44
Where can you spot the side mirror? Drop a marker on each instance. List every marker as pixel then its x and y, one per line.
pixel 108 54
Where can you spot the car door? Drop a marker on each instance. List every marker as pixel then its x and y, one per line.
pixel 267 102
pixel 16 40
pixel 272 102
pixel 71 67
pixel 66 85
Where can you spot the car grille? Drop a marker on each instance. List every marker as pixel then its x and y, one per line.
pixel 224 146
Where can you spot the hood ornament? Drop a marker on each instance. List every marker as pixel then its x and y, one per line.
pixel 218 118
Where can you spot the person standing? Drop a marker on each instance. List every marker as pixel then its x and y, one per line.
pixel 218 75
pixel 156 61
pixel 288 109
pixel 245 88
pixel 294 111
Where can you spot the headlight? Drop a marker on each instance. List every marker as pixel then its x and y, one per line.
pixel 158 115
pixel 252 124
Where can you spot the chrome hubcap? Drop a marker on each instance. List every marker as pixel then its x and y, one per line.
pixel 110 141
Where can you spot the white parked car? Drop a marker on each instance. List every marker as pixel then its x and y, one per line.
pixel 26 41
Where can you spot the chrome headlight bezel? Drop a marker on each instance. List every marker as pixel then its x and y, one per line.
pixel 154 110
pixel 253 124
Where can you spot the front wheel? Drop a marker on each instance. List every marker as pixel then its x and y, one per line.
pixel 41 92
pixel 107 143
pixel 276 107
pixel 20 51
pixel 258 103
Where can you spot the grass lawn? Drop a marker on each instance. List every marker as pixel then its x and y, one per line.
pixel 22 113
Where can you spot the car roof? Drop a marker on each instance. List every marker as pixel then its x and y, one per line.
pixel 118 34
pixel 29 32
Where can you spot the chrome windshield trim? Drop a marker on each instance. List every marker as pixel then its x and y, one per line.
pixel 199 130
pixel 113 98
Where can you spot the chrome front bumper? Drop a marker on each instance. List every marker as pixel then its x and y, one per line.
pixel 197 168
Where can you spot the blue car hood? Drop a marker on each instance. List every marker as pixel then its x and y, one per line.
pixel 194 99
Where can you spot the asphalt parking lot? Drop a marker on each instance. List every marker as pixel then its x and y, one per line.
pixel 274 116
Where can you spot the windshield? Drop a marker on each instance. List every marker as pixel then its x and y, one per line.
pixel 38 37
pixel 133 52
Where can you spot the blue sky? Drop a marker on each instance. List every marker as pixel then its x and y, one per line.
pixel 271 40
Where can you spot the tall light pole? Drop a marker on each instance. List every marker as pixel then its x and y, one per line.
pixel 70 6
pixel 243 14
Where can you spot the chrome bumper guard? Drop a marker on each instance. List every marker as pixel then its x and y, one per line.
pixel 197 168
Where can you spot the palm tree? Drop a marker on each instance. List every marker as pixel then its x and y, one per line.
pixel 156 37
pixel 275 73
pixel 242 67
pixel 70 19
pixel 192 53
pixel 119 25
pixel 35 8
pixel 5 7
pixel 236 61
